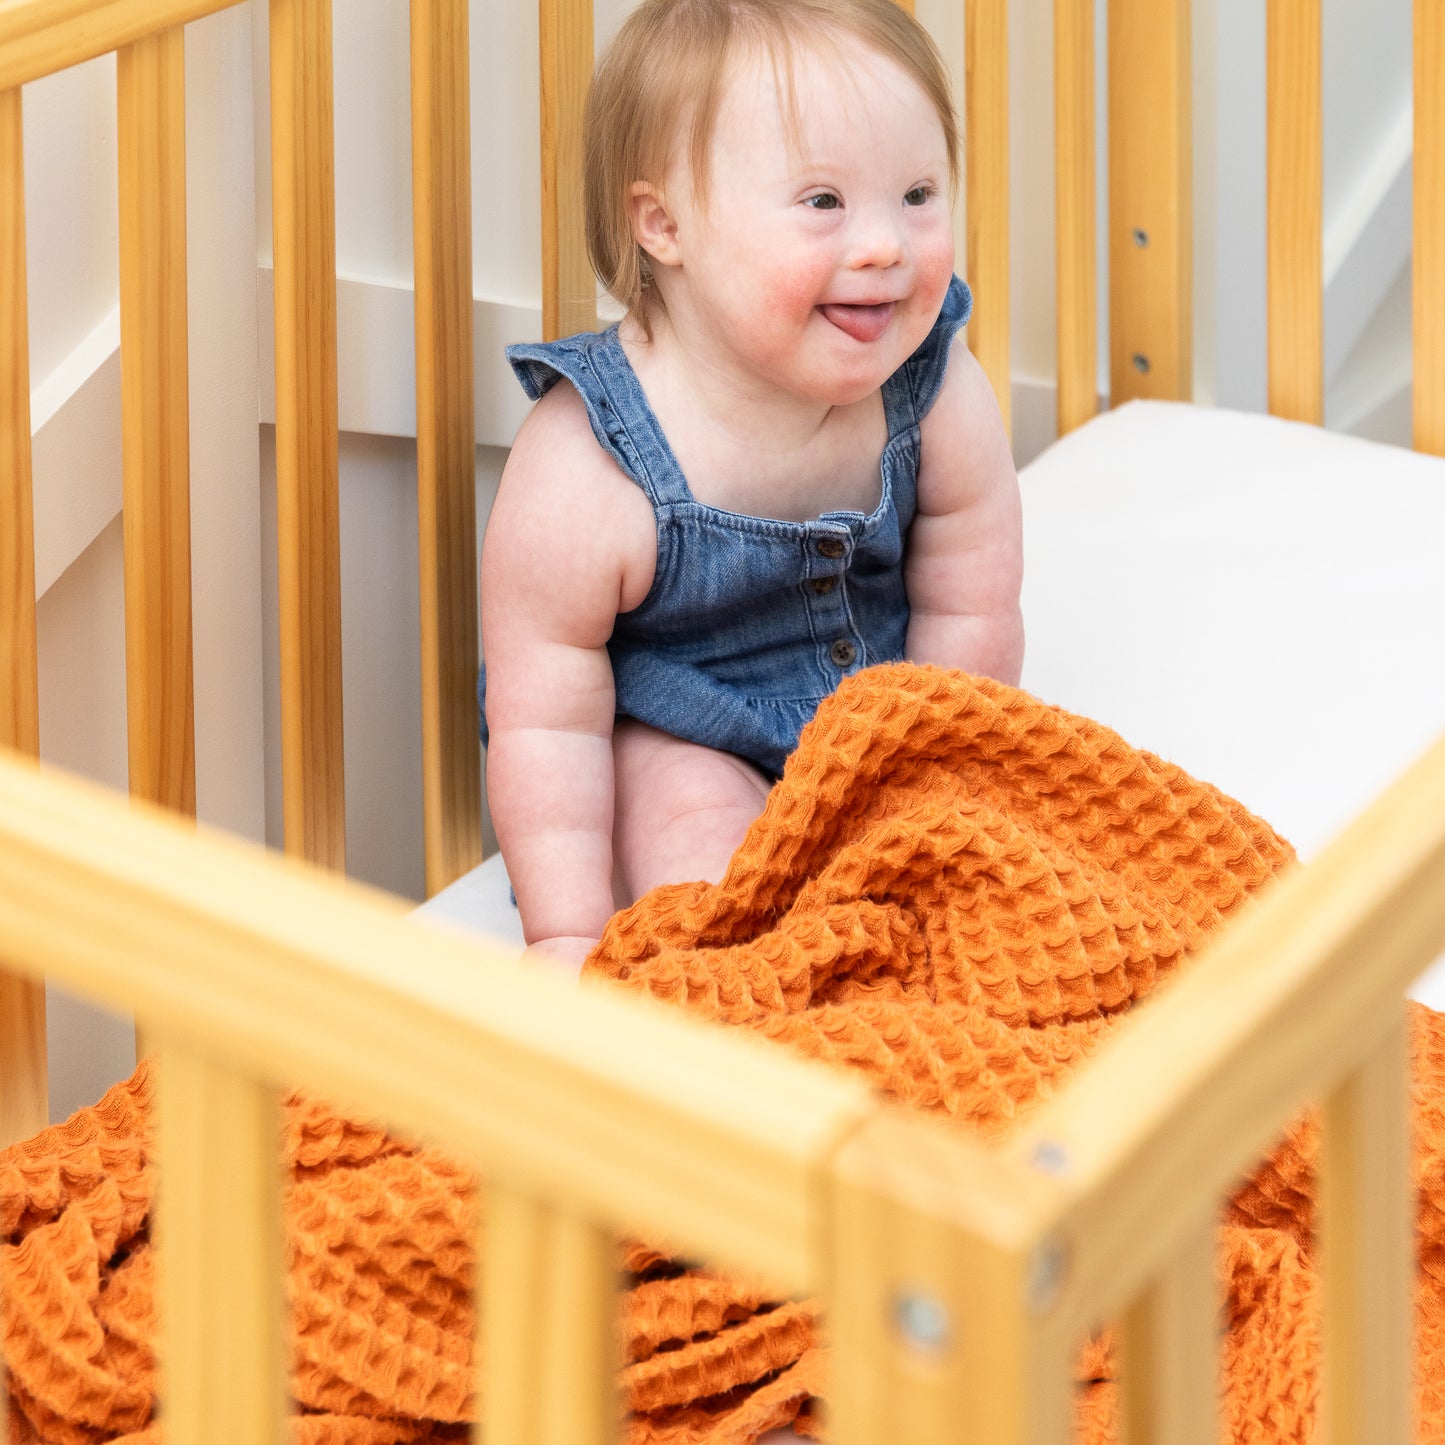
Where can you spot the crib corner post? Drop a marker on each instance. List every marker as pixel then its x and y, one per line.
pixel 942 1274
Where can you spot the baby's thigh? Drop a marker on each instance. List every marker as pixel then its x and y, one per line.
pixel 681 811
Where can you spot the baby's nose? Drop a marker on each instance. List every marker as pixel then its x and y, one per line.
pixel 877 240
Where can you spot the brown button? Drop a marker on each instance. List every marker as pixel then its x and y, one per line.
pixel 843 652
pixel 830 547
pixel 824 585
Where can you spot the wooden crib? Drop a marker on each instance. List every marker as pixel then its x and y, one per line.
pixel 957 1279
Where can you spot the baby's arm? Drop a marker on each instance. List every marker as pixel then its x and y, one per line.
pixel 566 549
pixel 964 565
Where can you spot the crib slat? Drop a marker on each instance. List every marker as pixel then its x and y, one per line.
pixel 1295 207
pixel 151 109
pixel 24 1088
pixel 927 1239
pixel 23 1107
pixel 445 437
pixel 1366 1225
pixel 1151 337
pixel 1169 1374
pixel 307 505
pixel 985 135
pixel 219 1256
pixel 1429 248
pixel 19 688
pixel 1075 248
pixel 569 292
pixel 905 5
pixel 549 1326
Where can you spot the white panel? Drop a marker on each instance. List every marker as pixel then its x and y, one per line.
pixel 370 47
pixel 1032 274
pixel 225 467
pixel 373 146
pixel 381 667
pixel 506 154
pixel 75 451
pixel 70 208
pixel 1366 88
pixel 1240 362
pixel 81 631
pixel 1367 241
pixel 82 727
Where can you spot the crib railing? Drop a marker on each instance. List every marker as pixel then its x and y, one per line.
pixel 38 37
pixel 587 1113
pixel 957 1280
pixel 910 1234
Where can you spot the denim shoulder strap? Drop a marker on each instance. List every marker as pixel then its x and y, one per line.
pixel 913 388
pixel 610 394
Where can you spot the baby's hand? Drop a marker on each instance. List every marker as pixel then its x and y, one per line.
pixel 564 955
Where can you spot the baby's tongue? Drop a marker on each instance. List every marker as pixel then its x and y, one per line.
pixel 862 323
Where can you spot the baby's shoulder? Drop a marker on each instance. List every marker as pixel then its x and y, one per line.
pixel 556 449
pixel 557 420
pixel 560 482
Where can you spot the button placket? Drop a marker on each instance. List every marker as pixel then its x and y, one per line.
pixel 832 616
pixel 831 548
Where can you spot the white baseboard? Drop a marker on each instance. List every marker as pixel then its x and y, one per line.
pixel 376 359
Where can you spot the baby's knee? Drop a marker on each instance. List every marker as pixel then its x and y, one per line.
pixel 681 810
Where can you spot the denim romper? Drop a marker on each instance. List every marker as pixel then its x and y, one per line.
pixel 750 622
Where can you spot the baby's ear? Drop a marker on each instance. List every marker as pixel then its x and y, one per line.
pixel 653 226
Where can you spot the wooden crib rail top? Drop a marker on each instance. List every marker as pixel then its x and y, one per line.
pixel 638 1116
pixel 38 37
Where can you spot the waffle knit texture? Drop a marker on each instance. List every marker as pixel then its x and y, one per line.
pixel 955 890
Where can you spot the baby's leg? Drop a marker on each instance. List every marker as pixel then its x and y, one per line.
pixel 681 809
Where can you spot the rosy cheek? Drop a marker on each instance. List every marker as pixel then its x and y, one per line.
pixel 934 264
pixel 794 289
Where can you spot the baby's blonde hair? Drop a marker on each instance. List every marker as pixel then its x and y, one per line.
pixel 668 63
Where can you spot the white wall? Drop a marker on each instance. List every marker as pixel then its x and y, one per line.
pixel 70 160
pixel 1367 117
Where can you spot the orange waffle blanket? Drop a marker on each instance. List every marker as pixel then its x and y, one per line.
pixel 956 890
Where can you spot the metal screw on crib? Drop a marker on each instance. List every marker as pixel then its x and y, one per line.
pixel 1050 1157
pixel 923 1321
pixel 1141 237
pixel 1141 364
pixel 1048 1267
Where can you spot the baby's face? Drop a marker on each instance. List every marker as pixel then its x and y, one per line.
pixel 823 252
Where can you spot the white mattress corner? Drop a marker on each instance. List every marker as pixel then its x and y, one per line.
pixel 1258 600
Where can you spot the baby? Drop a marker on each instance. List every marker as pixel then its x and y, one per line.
pixel 782 466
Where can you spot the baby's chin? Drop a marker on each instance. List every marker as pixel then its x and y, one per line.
pixel 856 378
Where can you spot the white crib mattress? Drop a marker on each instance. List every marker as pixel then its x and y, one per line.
pixel 1259 601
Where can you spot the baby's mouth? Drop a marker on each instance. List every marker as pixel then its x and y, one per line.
pixel 862 323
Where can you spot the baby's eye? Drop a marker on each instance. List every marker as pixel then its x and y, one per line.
pixel 823 201
pixel 918 196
